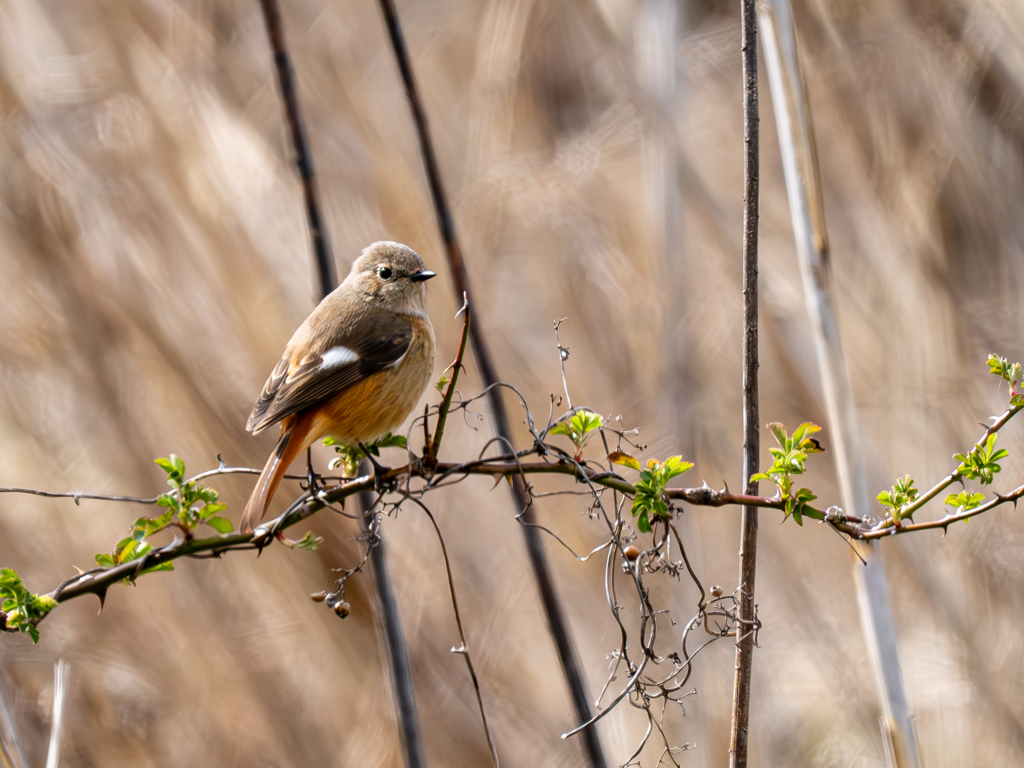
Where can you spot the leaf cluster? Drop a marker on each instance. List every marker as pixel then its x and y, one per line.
pixel 23 609
pixel 897 497
pixel 349 456
pixel 790 459
pixel 578 428
pixel 649 500
pixel 1012 373
pixel 982 462
pixel 188 504
pixel 965 500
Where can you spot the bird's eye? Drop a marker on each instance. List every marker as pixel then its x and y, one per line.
pixel 385 273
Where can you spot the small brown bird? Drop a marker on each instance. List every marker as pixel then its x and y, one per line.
pixel 353 370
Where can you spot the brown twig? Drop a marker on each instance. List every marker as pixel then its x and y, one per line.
pixel 748 541
pixel 79 495
pixel 557 622
pixel 456 367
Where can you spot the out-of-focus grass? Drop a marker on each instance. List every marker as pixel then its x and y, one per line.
pixel 154 261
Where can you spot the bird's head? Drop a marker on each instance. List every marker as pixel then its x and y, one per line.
pixel 392 276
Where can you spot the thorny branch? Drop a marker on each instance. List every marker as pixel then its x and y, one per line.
pixel 548 459
pixel 653 657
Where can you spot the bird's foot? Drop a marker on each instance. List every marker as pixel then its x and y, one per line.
pixel 380 484
pixel 313 483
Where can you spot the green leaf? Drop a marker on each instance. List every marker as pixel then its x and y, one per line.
pixel 779 431
pixel 965 500
pixel 165 465
pixel 789 460
pixel 1012 373
pixel 561 428
pixel 982 462
pixel 649 497
pixel 24 609
pixel 578 427
pixel 624 459
pixel 309 542
pixel 209 510
pixel 125 548
pixel 141 549
pixel 899 496
pixel 349 456
pixel 390 441
pixel 643 523
pixel 158 567
pixel 794 509
pixel 675 466
pixel 441 384
pixel 811 445
pixel 220 524
pixel 807 428
pixel 207 494
pixel 587 421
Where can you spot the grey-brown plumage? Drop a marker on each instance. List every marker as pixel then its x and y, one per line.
pixel 377 339
pixel 354 369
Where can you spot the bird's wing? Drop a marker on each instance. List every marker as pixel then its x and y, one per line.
pixel 330 363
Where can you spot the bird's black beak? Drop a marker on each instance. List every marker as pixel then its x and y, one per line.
pixel 425 274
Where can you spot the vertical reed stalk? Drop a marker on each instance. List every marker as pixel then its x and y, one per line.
pixel 803 184
pixel 746 630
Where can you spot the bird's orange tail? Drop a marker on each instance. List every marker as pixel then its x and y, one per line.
pixel 291 443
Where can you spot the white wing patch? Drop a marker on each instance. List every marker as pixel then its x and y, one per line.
pixel 337 356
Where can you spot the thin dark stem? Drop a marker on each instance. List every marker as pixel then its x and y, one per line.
pixel 463 644
pixel 394 640
pixel 388 607
pixel 557 622
pixel 326 271
pixel 80 495
pixel 746 631
pixel 446 404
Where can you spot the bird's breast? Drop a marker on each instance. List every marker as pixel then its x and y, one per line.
pixel 380 403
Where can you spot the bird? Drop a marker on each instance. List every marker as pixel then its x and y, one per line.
pixel 353 370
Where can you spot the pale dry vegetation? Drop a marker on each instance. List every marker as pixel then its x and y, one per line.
pixel 154 260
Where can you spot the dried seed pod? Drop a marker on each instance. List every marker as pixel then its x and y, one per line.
pixel 631 553
pixel 342 608
pixel 716 591
pixel 318 597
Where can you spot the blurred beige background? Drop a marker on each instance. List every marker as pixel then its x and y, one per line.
pixel 154 261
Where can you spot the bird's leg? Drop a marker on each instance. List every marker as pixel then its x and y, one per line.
pixel 310 474
pixel 378 469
